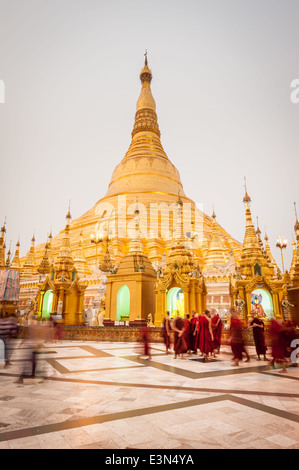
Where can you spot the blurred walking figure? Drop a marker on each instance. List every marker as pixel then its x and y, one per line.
pixel 258 328
pixel 30 348
pixel 236 338
pixel 145 333
pixel 199 320
pixel 187 330
pixel 180 345
pixel 58 329
pixel 193 322
pixel 167 332
pixel 217 327
pixel 277 341
pixel 8 332
pixel 205 336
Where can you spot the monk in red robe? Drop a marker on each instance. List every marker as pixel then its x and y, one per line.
pixel 167 332
pixel 187 330
pixel 179 345
pixel 145 333
pixel 258 327
pixel 217 327
pixel 205 336
pixel 236 338
pixel 277 340
pixel 193 322
pixel 196 332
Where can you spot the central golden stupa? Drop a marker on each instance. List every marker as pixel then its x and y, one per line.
pixel 146 178
pixel 144 182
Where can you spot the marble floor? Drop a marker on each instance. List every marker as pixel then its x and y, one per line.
pixel 101 395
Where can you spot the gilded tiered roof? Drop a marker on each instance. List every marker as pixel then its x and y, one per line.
pixel 145 172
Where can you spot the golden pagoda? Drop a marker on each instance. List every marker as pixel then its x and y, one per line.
pixel 146 173
pixel 129 295
pixel 255 286
pixel 61 292
pixel 180 286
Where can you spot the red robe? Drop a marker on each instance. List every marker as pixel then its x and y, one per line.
pixel 277 340
pixel 258 336
pixel 217 331
pixel 187 327
pixel 145 337
pixel 198 326
pixel 193 323
pixel 180 345
pixel 204 336
pixel 237 342
pixel 166 326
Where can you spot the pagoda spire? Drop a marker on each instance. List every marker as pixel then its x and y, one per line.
pixel 2 246
pixel 80 261
pixel 64 264
pixel 269 255
pixel 29 267
pixel 258 234
pixel 252 253
pixel 44 266
pixel 16 264
pixel 145 166
pixel 8 258
pixel 216 252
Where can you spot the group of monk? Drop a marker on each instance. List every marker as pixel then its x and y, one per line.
pixel 200 333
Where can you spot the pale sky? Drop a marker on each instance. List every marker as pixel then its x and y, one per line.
pixel 222 71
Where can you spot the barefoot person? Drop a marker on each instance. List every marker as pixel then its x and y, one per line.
pixel 167 332
pixel 217 327
pixel 179 345
pixel 277 340
pixel 187 330
pixel 205 336
pixel 193 322
pixel 258 327
pixel 236 338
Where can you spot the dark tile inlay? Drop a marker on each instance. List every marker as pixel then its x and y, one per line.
pixel 79 422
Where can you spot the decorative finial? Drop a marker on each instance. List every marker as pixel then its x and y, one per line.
pixel 246 198
pixel 3 228
pixel 266 236
pixel 296 227
pixel 257 226
pixel 146 74
pixel 213 215
pixel 68 215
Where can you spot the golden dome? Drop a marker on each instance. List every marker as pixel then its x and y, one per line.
pixel 145 167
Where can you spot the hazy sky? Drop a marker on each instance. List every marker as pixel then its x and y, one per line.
pixel 222 71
